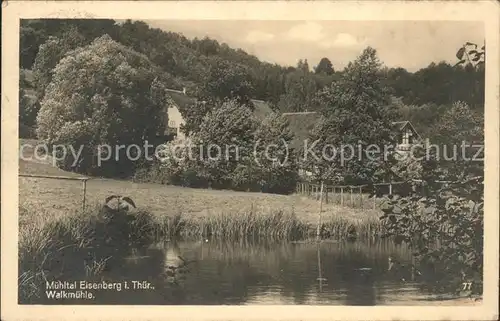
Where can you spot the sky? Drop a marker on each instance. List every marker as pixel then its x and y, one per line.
pixel 408 44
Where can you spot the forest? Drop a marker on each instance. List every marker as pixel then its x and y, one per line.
pixel 423 96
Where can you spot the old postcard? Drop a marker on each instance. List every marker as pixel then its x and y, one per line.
pixel 250 160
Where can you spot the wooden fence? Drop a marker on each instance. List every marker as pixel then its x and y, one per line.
pixel 82 179
pixel 358 196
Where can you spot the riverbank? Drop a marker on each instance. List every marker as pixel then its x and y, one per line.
pixel 53 244
pixel 52 225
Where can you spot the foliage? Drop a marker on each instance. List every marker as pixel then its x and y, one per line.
pixel 470 54
pixel 425 118
pixel 226 140
pixel 444 227
pixel 277 168
pixel 193 115
pixel 28 102
pixel 300 88
pixel 325 66
pixel 49 55
pixel 35 32
pixel 303 65
pixel 439 83
pixel 230 151
pixel 459 124
pixel 227 81
pixel 190 60
pixel 357 112
pixel 75 245
pixel 444 222
pixel 407 168
pixel 103 93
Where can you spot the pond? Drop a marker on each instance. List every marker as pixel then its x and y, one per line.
pixel 209 272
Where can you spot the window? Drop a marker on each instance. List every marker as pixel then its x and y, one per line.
pixel 171 123
pixel 407 138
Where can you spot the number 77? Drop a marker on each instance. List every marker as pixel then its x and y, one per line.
pixel 467 285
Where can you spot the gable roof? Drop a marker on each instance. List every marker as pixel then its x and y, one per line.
pixel 301 124
pixel 401 125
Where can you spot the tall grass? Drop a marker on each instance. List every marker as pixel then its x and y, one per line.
pixel 277 225
pixel 77 244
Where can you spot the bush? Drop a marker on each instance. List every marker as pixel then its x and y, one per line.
pixel 102 94
pixel 444 227
pixel 231 125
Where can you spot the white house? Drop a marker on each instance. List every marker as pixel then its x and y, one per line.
pixel 175 119
pixel 173 115
pixel 407 135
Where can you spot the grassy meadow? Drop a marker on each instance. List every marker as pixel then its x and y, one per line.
pixel 203 207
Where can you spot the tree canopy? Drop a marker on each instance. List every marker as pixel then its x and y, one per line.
pixel 103 93
pixel 357 112
pixel 325 66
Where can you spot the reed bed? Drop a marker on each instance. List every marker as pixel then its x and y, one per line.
pixel 79 244
pixel 52 244
pixel 276 225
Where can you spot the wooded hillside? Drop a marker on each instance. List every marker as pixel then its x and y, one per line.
pixel 192 63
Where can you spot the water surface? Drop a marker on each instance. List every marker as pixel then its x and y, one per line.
pixel 208 272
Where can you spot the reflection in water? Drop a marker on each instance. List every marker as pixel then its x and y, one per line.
pixel 261 273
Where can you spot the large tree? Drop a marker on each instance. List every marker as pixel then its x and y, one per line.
pixel 226 136
pixel 103 93
pixel 356 113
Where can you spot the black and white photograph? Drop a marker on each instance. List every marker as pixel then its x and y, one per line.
pixel 251 162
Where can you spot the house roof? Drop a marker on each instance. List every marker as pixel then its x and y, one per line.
pixel 261 109
pixel 301 124
pixel 400 125
pixel 181 100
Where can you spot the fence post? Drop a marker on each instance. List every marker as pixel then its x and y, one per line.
pixel 84 194
pixel 326 195
pixel 390 188
pixel 360 197
pixel 342 196
pixel 320 210
pixel 352 203
pixel 374 196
